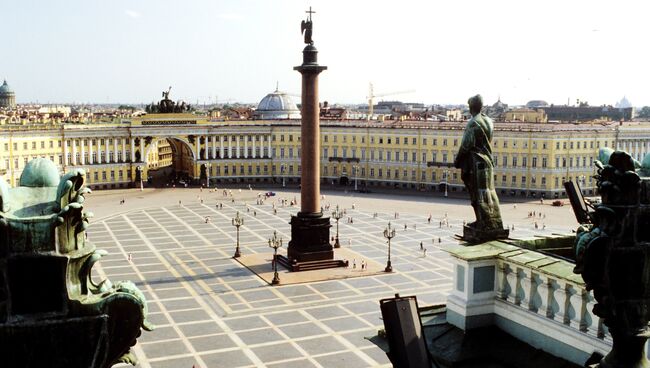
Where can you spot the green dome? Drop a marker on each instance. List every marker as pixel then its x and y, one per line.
pixel 40 172
pixel 5 89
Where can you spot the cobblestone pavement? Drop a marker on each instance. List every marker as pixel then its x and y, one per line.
pixel 211 312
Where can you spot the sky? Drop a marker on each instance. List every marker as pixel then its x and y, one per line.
pixel 439 51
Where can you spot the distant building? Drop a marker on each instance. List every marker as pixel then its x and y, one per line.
pixel 276 105
pixel 7 97
pixel 497 110
pixel 535 104
pixel 526 115
pixel 624 103
pixel 587 113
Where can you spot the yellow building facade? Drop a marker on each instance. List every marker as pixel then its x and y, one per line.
pixel 532 160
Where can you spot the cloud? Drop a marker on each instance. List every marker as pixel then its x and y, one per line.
pixel 132 13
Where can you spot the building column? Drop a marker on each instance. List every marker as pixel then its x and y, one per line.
pixel 82 157
pixel 65 153
pixel 253 150
pixel 237 146
pixel 229 147
pixel 221 146
pixel 90 152
pixel 214 146
pixel 115 150
pixel 132 149
pixel 123 142
pixel 246 146
pixel 268 139
pixel 74 152
pixel 197 144
pixel 107 158
pixel 99 152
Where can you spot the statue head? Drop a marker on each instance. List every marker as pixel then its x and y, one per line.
pixel 475 104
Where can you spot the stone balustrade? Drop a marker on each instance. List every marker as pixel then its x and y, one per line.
pixel 533 295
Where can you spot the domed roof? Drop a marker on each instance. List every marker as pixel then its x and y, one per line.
pixel 277 101
pixel 277 105
pixel 5 89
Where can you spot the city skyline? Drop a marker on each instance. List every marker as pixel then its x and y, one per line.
pixel 126 52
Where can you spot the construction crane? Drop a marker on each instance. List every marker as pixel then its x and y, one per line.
pixel 371 98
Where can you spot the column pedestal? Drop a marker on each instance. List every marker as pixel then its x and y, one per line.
pixel 310 238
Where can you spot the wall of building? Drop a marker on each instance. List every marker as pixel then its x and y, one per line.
pixel 531 160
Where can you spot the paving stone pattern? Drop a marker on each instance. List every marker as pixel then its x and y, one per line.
pixel 212 312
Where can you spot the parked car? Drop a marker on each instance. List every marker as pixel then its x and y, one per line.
pixel 558 203
pixel 269 194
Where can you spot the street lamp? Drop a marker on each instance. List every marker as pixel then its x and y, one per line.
pixel 207 175
pixel 389 233
pixel 275 243
pixel 237 222
pixel 337 214
pixel 446 181
pixel 141 184
pixel 355 168
pixel 282 173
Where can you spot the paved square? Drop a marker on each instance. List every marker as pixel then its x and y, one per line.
pixel 211 311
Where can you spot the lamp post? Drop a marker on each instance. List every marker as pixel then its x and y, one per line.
pixel 389 233
pixel 207 175
pixel 275 243
pixel 446 181
pixel 237 222
pixel 141 172
pixel 282 173
pixel 355 168
pixel 337 214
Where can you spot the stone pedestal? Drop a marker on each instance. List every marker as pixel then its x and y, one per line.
pixel 474 235
pixel 310 238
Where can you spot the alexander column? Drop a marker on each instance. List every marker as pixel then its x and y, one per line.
pixel 310 229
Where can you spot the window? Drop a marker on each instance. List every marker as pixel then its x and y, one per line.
pixel 543 180
pixel 103 175
pixel 544 161
pixel 388 141
pixel 42 144
pixel 534 163
pixel 325 137
pixel 557 145
pixel 514 179
pixel 514 161
pixel 325 153
pixel 415 141
pixel 505 161
pixel 524 161
pixel 444 142
pixel 424 157
pixel 24 145
pixel 523 180
pixel 291 138
pixel 455 142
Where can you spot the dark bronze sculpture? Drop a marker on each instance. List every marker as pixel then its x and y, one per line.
pixel 474 158
pixel 167 106
pixel 612 255
pixel 52 313
pixel 306 27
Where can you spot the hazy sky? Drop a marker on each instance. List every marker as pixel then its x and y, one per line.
pixel 236 50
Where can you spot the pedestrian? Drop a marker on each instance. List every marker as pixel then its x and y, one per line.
pixel 349 242
pixel 425 252
pixel 179 203
pixel 439 240
pixel 354 263
pixel 405 227
pixel 254 213
pixel 129 257
pixel 363 265
pixel 421 246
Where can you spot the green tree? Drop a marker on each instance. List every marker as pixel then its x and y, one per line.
pixel 645 112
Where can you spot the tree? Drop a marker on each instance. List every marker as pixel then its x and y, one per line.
pixel 645 112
